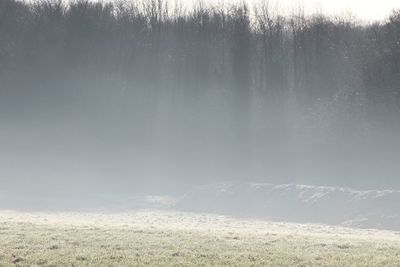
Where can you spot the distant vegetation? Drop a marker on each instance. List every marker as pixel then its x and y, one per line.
pixel 238 74
pixel 248 52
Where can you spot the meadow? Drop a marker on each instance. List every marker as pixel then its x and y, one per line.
pixel 160 238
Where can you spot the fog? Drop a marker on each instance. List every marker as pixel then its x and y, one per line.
pixel 125 99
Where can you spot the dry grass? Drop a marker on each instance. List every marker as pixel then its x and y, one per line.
pixel 182 239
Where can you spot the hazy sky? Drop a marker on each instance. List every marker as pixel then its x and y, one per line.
pixel 363 9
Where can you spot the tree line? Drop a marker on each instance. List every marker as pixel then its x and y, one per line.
pixel 246 50
pixel 203 66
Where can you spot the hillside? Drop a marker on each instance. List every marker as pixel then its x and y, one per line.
pixel 293 203
pixel 300 203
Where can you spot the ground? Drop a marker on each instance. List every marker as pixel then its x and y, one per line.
pixel 159 238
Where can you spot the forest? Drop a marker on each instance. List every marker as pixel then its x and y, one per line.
pixel 137 93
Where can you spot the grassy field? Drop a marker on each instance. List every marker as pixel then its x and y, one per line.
pixel 183 239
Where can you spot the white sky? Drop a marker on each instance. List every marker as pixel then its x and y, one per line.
pixel 362 9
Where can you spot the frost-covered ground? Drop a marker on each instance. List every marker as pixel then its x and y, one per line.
pixel 161 238
pixel 298 203
pixel 289 202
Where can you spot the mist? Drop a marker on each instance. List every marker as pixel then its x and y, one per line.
pixel 198 133
pixel 144 98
